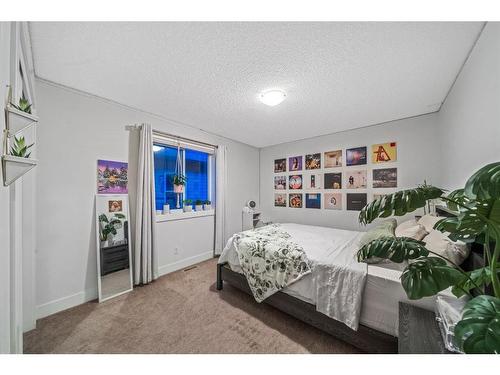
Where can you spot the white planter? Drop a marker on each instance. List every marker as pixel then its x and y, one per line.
pixel 166 209
pixel 18 120
pixel 14 167
pixel 198 207
pixel 207 207
pixel 188 208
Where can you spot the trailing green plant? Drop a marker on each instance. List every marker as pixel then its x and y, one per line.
pixel 477 220
pixel 110 225
pixel 179 179
pixel 20 149
pixel 23 106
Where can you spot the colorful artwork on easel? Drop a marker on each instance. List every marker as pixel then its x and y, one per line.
pixel 112 177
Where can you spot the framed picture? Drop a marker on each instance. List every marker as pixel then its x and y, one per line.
pixel 356 156
pixel 313 200
pixel 112 177
pixel 115 205
pixel 355 179
pixel 385 178
pixel 333 180
pixel 313 181
pixel 280 182
pixel 384 152
pixel 295 163
pixel 333 201
pixel 356 201
pixel 280 200
pixel 295 200
pixel 295 181
pixel 279 165
pixel 313 161
pixel 333 159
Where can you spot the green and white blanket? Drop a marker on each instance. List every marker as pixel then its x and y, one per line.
pixel 270 260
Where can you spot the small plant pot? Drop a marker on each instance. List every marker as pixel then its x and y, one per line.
pixel 166 209
pixel 179 189
pixel 207 207
pixel 198 207
pixel 188 208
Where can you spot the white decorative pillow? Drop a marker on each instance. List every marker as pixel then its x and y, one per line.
pixel 439 243
pixel 410 229
pixel 428 221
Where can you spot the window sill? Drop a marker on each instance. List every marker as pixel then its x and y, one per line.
pixel 184 215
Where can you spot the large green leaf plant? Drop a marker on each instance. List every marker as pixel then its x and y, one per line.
pixel 428 273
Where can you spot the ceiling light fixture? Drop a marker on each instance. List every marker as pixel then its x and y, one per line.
pixel 272 97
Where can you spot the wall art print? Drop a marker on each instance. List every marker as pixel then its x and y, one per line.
pixel 280 182
pixel 279 165
pixel 355 179
pixel 295 163
pixel 356 201
pixel 333 180
pixel 333 159
pixel 112 177
pixel 313 181
pixel 384 152
pixel 295 182
pixel 333 201
pixel 313 200
pixel 295 200
pixel 280 200
pixel 356 156
pixel 313 161
pixel 385 178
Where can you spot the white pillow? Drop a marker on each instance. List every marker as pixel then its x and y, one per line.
pixel 428 221
pixel 440 244
pixel 410 229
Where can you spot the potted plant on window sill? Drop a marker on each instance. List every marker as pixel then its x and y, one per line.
pixel 207 205
pixel 179 181
pixel 198 205
pixel 428 273
pixel 188 205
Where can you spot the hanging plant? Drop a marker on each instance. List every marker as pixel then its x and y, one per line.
pixel 23 106
pixel 179 180
pixel 20 149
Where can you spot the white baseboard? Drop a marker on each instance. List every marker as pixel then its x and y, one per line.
pixel 171 267
pixel 64 303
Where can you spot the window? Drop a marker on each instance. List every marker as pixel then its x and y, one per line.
pixel 196 166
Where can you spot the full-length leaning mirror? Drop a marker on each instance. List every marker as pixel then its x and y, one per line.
pixel 114 274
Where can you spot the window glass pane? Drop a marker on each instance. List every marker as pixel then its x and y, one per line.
pixel 164 161
pixel 197 175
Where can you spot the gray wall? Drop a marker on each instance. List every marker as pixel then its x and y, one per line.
pixel 418 158
pixel 469 120
pixel 75 130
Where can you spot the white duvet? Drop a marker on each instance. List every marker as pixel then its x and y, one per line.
pixel 338 279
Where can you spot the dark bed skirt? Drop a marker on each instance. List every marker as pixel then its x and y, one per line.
pixel 365 338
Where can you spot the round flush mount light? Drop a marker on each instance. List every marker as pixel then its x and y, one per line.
pixel 272 97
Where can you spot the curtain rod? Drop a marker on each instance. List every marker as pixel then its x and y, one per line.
pixel 176 137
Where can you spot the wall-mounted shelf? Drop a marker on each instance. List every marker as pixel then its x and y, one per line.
pixel 17 120
pixel 14 167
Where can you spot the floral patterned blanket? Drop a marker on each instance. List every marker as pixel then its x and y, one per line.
pixel 270 260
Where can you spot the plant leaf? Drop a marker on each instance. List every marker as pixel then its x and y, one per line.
pixel 397 249
pixel 426 277
pixel 399 203
pixel 479 278
pixel 479 329
pixel 458 196
pixel 485 183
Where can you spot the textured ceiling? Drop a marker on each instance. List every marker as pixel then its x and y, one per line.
pixel 337 76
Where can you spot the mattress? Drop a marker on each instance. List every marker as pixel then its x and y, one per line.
pixel 381 295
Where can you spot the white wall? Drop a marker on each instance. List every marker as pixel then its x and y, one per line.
pixel 469 120
pixel 4 202
pixel 75 130
pixel 417 159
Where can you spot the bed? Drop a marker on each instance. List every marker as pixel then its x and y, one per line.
pixel 377 330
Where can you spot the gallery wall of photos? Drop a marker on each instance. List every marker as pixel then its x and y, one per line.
pixel 319 180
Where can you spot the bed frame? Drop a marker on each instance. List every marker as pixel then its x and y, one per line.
pixel 365 338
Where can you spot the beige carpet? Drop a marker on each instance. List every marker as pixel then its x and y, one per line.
pixel 179 313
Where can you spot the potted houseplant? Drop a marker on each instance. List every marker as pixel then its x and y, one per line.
pixel 108 228
pixel 198 205
pixel 24 105
pixel 478 219
pixel 207 205
pixel 188 205
pixel 179 181
pixel 20 148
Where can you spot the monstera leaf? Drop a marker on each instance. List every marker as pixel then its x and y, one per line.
pixel 485 183
pixel 397 249
pixel 478 278
pixel 459 197
pixel 399 203
pixel 426 277
pixel 479 329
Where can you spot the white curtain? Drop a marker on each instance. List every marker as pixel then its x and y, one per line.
pixel 220 198
pixel 145 257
